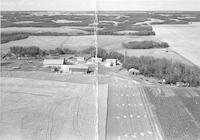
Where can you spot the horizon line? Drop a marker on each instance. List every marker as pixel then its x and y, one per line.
pixel 100 10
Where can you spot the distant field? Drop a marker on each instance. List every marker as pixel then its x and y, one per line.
pixel 72 42
pixel 183 39
pixel 42 109
pixel 64 29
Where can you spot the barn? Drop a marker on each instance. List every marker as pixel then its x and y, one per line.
pixel 53 62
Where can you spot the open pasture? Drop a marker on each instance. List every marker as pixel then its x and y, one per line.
pixel 183 39
pixel 40 109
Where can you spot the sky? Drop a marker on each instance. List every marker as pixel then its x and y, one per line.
pixel 101 5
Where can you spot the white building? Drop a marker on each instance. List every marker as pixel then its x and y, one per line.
pixel 110 62
pixel 99 60
pixel 53 62
pixel 134 71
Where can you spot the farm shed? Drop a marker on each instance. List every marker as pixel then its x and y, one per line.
pixel 110 62
pixel 83 69
pixel 134 71
pixel 53 62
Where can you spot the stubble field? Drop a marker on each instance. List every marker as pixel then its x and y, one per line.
pixel 40 109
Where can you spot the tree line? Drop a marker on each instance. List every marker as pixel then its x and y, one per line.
pixel 163 68
pixel 145 45
pixel 34 51
pixel 12 37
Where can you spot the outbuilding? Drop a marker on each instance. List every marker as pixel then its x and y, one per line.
pixel 134 71
pixel 53 62
pixel 110 62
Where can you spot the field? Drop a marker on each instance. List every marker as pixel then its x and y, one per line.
pixel 64 106
pixel 45 109
pixel 127 115
pixel 177 111
pixel 150 112
pixel 183 39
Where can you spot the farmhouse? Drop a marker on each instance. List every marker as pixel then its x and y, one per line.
pixel 134 71
pixel 99 60
pixel 53 62
pixel 83 69
pixel 110 62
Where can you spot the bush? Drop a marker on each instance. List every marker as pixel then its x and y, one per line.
pixel 145 45
pixel 36 51
pixel 27 51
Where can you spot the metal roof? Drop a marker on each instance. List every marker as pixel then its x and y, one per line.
pixel 53 61
pixel 134 70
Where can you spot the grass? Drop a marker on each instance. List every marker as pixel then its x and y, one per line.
pixel 175 120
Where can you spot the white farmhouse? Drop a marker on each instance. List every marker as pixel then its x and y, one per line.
pixel 110 62
pixel 98 59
